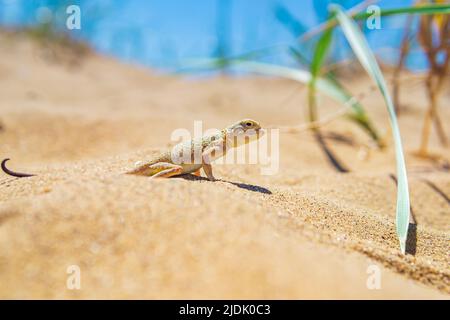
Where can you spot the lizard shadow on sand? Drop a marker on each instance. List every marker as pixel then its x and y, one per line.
pixel 249 187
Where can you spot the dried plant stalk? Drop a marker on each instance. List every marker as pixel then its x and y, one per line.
pixel 435 50
pixel 404 50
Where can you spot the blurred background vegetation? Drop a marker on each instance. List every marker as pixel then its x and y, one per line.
pixel 161 34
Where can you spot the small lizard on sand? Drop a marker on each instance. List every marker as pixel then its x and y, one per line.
pixel 209 147
pixel 191 156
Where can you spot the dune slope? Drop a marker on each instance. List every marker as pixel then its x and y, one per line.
pixel 304 232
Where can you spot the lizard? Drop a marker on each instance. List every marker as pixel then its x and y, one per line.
pixel 209 148
pixel 182 158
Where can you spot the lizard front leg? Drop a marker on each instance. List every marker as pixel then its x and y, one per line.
pixel 207 168
pixel 207 157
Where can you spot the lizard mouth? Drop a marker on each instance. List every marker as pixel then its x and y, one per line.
pixel 249 132
pixel 258 131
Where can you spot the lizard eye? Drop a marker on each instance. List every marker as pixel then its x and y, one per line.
pixel 248 124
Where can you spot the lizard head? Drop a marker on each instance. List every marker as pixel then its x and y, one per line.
pixel 246 129
pixel 244 126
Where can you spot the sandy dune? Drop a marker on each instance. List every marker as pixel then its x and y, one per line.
pixel 305 232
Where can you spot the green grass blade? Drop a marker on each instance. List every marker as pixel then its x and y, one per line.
pixel 220 62
pixel 426 9
pixel 320 54
pixel 421 10
pixel 358 114
pixel 367 59
pixel 328 87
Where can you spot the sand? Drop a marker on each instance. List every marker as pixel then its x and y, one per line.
pixel 306 232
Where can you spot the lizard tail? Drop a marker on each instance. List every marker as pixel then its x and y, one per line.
pixel 12 173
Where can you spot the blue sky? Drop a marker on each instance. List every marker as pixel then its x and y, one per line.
pixel 163 33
